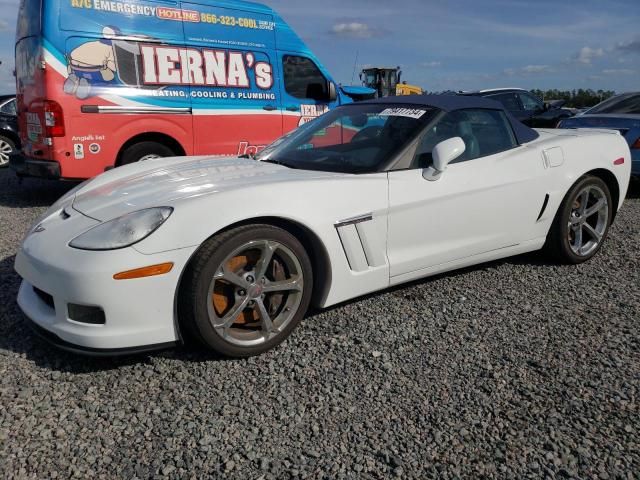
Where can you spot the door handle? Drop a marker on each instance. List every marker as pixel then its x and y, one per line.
pixel 293 108
pixel 269 108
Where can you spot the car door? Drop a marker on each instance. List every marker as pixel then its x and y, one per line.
pixel 486 200
pixel 305 90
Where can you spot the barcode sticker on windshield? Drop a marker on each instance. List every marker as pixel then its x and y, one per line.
pixel 403 112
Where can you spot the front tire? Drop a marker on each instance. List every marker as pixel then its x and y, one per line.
pixel 246 290
pixel 582 221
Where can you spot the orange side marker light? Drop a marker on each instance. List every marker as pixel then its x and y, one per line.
pixel 150 271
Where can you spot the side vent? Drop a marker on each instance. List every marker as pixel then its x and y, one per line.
pixel 544 207
pixel 361 243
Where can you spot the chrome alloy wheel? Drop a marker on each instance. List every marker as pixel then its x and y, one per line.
pixel 255 293
pixel 588 220
pixel 5 150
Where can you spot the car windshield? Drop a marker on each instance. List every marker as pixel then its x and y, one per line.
pixel 358 138
pixel 618 104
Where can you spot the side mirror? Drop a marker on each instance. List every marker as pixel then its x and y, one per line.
pixel 333 93
pixel 446 152
pixel 443 154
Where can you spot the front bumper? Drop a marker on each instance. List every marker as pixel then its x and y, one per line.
pixel 58 342
pixel 31 167
pixel 139 314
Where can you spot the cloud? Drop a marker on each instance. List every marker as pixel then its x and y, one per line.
pixel 587 54
pixel 355 29
pixel 548 30
pixel 431 64
pixel 618 71
pixel 528 70
pixel 629 47
pixel 4 26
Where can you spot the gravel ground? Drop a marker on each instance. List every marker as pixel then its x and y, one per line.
pixel 514 369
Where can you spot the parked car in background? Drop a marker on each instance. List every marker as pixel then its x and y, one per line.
pixel 622 113
pixel 527 107
pixel 9 140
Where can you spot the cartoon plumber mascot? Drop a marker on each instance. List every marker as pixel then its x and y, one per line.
pixel 92 63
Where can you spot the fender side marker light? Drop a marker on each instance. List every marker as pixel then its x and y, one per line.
pixel 150 271
pixel 619 161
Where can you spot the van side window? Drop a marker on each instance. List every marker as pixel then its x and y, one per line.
pixel 303 79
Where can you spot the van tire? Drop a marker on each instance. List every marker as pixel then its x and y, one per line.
pixel 145 151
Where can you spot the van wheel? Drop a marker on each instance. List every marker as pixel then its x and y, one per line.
pixel 142 151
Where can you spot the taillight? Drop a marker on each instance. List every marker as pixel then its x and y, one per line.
pixel 636 144
pixel 53 119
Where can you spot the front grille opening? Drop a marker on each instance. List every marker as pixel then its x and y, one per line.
pixel 45 297
pixel 84 314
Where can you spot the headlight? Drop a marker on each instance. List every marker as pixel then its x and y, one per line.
pixel 123 231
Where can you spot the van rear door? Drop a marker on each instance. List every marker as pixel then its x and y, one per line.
pixel 234 91
pixel 30 81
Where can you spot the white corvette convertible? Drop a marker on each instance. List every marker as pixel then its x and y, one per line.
pixel 232 252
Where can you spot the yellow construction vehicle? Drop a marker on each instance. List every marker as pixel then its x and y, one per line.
pixel 405 89
pixel 386 82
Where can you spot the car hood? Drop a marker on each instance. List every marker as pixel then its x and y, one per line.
pixel 163 182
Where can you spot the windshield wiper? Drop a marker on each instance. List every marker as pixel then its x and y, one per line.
pixel 278 162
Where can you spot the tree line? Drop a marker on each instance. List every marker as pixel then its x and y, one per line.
pixel 575 98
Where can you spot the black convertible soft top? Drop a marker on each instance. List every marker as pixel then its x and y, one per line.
pixel 450 103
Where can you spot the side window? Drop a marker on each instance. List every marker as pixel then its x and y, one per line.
pixel 303 79
pixel 509 100
pixel 484 132
pixel 529 102
pixel 492 130
pixel 9 108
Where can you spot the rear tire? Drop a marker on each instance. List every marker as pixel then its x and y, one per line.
pixel 246 290
pixel 145 151
pixel 7 147
pixel 582 222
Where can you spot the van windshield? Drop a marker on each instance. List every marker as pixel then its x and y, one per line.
pixel 350 139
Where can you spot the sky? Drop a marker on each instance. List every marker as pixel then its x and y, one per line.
pixel 455 44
